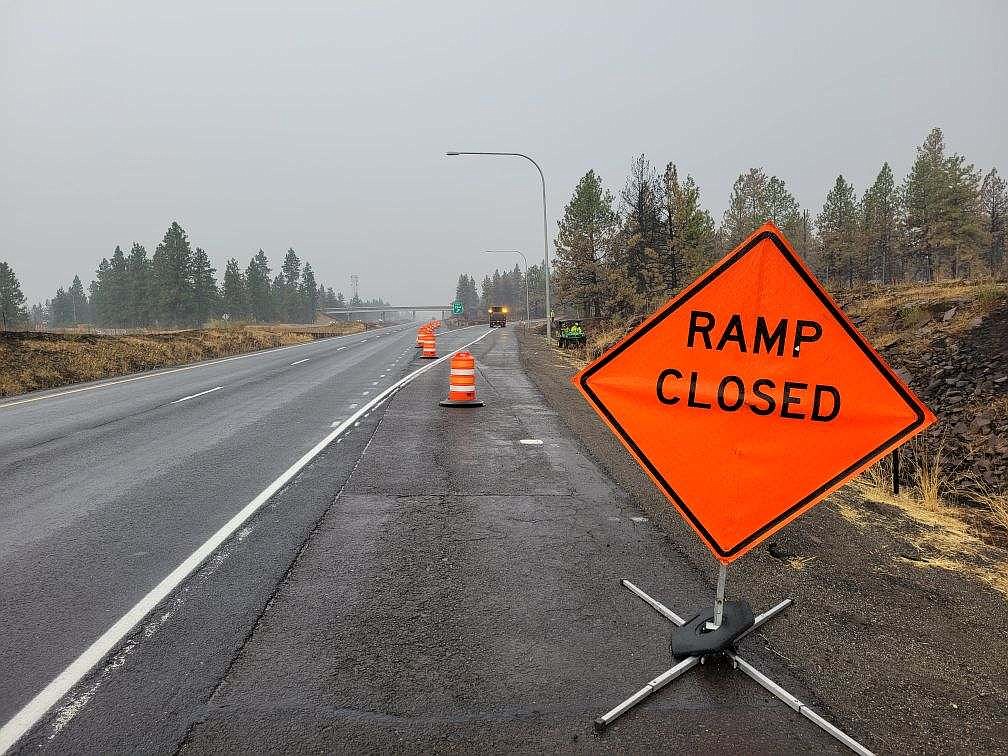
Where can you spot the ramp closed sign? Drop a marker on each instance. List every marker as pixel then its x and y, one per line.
pixel 750 396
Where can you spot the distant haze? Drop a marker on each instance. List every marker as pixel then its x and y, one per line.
pixel 324 127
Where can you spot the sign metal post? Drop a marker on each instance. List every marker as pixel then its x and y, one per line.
pixel 750 362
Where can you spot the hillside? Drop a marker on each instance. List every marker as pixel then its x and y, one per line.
pixel 949 341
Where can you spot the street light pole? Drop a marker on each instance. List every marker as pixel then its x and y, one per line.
pixel 546 263
pixel 528 299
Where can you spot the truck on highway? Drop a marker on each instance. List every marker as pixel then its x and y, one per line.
pixel 498 316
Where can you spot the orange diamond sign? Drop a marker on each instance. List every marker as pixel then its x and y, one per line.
pixel 750 396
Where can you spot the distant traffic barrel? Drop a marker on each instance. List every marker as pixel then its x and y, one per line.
pixel 428 349
pixel 462 382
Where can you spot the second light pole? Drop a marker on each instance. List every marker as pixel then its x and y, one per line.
pixel 528 310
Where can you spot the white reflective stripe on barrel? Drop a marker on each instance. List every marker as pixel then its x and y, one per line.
pixel 462 371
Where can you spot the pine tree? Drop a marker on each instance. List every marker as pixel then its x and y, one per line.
pixel 101 297
pixel 747 207
pixel 206 297
pixel 12 299
pixel 235 295
pixel 537 290
pixel 692 238
pixel 644 255
pixel 78 301
pixel 465 292
pixel 838 226
pixel 584 245
pixel 172 277
pixel 289 305
pixel 138 308
pixel 994 205
pixel 756 199
pixel 279 299
pixel 257 279
pixel 39 314
pixel 60 308
pixel 118 293
pixel 941 209
pixel 880 227
pixel 309 295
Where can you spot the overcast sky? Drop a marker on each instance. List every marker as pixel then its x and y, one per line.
pixel 324 127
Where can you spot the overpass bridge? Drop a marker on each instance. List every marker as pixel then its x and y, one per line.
pixel 384 310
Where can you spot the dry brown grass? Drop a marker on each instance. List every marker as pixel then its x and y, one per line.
pixel 892 313
pixel 945 534
pixel 30 361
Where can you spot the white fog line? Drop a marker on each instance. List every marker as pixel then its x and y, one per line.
pixel 300 361
pixel 193 396
pixel 34 710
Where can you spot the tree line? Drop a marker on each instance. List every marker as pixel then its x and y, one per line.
pixel 503 289
pixel 177 287
pixel 618 256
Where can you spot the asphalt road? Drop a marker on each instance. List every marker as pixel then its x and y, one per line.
pixel 107 487
pixel 434 580
pixel 461 594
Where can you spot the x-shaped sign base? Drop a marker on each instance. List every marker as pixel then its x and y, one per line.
pixel 737 662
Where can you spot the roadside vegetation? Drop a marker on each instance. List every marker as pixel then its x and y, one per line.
pixel 959 522
pixel 176 287
pixel 618 256
pixel 32 361
pixel 918 264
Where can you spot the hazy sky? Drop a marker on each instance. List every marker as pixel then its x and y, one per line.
pixel 324 126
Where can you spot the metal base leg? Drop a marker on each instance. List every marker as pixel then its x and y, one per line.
pixel 688 663
pixel 659 682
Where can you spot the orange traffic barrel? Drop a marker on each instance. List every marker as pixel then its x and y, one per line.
pixel 428 346
pixel 419 338
pixel 462 382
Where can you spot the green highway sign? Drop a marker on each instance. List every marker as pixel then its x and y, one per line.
pixel 457 307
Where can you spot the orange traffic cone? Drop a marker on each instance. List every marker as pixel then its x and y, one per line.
pixel 429 349
pixel 462 382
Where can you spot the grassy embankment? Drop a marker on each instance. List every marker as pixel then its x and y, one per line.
pixel 32 361
pixel 958 518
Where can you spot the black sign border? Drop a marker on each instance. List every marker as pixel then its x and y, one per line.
pixel 827 302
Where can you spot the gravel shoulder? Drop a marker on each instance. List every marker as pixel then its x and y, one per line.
pixel 910 658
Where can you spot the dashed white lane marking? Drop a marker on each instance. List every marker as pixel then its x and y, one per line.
pixel 63 683
pixel 366 393
pixel 340 349
pixel 374 383
pixel 531 441
pixel 201 393
pixel 300 361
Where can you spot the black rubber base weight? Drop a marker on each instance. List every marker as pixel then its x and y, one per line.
pixel 459 403
pixel 692 639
